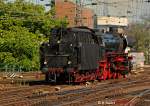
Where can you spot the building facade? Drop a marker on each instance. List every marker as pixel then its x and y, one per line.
pixel 135 10
pixel 67 9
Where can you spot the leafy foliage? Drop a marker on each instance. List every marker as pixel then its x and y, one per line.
pixel 141 32
pixel 23 26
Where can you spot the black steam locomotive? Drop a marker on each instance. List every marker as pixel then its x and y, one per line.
pixel 82 54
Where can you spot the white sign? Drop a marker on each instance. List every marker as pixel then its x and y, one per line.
pixel 115 21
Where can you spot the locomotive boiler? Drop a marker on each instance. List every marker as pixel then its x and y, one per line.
pixel 81 54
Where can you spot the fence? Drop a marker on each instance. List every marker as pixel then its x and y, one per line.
pixel 14 68
pixel 17 73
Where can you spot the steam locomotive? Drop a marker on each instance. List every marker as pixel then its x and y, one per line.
pixel 81 54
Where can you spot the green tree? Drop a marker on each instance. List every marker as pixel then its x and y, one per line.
pixel 23 26
pixel 141 33
pixel 19 47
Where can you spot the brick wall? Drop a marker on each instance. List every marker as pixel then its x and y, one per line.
pixel 88 19
pixel 67 10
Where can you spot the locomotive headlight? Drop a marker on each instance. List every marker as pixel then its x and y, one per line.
pixel 45 62
pixel 69 62
pixel 71 45
pixel 58 41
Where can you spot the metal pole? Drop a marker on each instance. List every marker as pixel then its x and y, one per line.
pixel 81 12
pixel 149 54
pixel 105 9
pixel 78 13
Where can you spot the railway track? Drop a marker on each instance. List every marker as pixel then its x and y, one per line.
pixel 134 99
pixel 84 96
pixel 122 89
pixel 18 96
